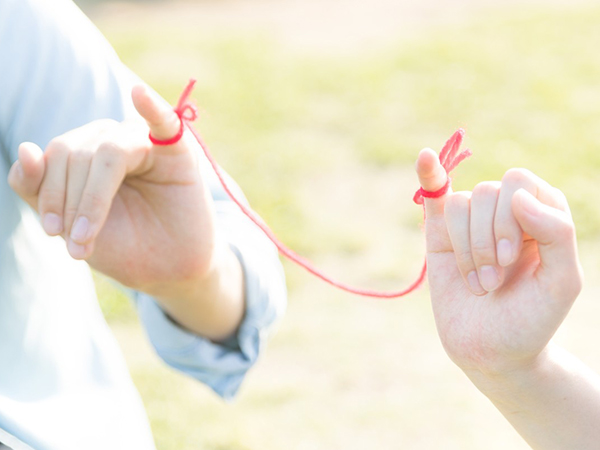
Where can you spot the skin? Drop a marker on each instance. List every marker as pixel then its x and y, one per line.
pixel 503 274
pixel 138 213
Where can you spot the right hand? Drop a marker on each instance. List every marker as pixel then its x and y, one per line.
pixel 503 267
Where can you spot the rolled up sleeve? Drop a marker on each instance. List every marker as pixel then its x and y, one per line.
pixel 223 366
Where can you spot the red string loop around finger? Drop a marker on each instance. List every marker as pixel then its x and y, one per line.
pixel 173 140
pixel 449 158
pixel 186 112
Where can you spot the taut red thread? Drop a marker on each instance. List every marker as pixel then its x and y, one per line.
pixel 448 157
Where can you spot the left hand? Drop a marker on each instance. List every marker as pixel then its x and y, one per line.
pixel 137 212
pixel 503 267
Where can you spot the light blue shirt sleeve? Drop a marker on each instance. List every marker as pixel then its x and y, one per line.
pixel 223 366
pixel 64 74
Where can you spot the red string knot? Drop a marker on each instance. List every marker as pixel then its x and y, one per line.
pixel 185 110
pixel 449 158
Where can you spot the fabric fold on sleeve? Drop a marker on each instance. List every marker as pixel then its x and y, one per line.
pixel 223 366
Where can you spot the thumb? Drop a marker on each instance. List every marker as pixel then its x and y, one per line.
pixel 554 231
pixel 26 174
pixel 163 121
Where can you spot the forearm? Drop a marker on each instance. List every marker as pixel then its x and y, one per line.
pixel 554 404
pixel 211 306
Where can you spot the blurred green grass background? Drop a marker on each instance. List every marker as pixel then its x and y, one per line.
pixel 323 145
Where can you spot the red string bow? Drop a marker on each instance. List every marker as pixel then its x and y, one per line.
pixel 185 110
pixel 450 158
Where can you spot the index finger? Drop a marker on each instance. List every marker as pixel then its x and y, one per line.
pixel 508 233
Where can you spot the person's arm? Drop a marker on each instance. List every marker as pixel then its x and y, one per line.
pixel 504 272
pixel 554 403
pixel 139 213
pixel 82 80
pixel 60 74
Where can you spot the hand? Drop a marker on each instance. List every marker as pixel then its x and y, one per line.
pixel 139 213
pixel 503 267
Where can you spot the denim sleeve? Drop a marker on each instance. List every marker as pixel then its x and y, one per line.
pixel 223 366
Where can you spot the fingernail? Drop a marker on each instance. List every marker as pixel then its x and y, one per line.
pixel 20 172
pixel 489 278
pixel 75 250
pixel 80 229
pixel 473 280
pixel 52 224
pixel 504 251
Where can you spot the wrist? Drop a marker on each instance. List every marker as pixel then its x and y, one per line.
pixel 211 304
pixel 553 403
pixel 206 285
pixel 510 381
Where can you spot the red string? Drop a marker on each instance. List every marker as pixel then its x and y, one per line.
pixel 450 158
pixel 183 107
pixel 187 112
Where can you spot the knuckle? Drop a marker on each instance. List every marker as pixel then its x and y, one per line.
pixel 464 259
pixel 559 194
pixel 565 229
pixel 56 148
pixel 505 225
pixel 458 199
pixel 483 249
pixel 486 188
pixel 92 205
pixel 70 212
pixel 518 176
pixel 561 198
pixel 457 202
pixel 110 154
pixel 110 150
pixel 79 156
pixel 51 199
pixel 575 282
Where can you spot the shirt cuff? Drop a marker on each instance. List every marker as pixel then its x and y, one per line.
pixel 223 366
